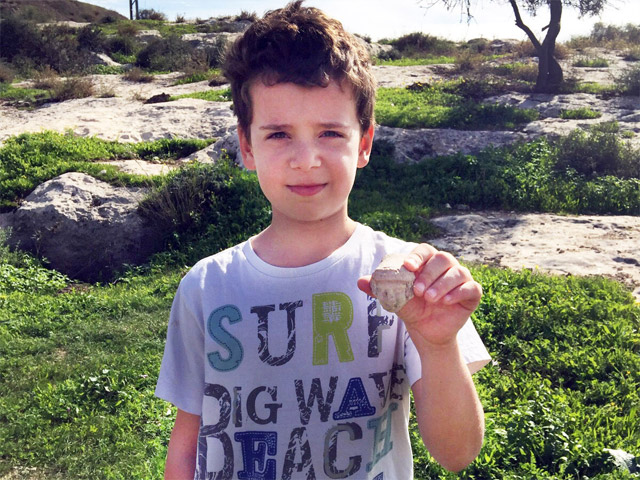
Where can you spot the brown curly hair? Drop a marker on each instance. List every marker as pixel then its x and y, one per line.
pixel 301 45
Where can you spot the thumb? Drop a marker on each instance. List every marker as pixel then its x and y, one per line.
pixel 364 284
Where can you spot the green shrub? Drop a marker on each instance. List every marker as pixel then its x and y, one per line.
pixel 629 81
pixel 218 204
pixel 418 44
pixel 527 177
pixel 527 72
pixel 597 152
pixel 27 47
pixel 91 38
pixel 632 54
pixel 469 61
pixel 71 88
pixel 246 16
pixel 582 113
pixel 6 73
pixel 151 14
pixel 16 37
pixel 136 74
pixel 165 54
pixel 591 62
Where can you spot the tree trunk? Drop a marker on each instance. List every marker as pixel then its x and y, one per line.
pixel 549 70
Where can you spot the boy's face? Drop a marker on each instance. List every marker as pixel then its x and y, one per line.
pixel 306 146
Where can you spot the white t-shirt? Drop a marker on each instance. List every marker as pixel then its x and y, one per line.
pixel 295 372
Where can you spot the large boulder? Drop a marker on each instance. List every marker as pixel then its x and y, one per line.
pixel 86 228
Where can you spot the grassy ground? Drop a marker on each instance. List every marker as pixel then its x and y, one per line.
pixel 78 363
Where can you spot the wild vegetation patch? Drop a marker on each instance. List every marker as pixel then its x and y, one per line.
pixel 440 105
pixel 563 387
pixel 30 159
pixel 582 113
pixel 587 62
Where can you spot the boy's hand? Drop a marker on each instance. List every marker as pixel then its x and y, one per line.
pixel 445 296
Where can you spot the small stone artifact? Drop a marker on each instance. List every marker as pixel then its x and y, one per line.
pixel 392 283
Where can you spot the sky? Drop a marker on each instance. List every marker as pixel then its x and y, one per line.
pixel 492 19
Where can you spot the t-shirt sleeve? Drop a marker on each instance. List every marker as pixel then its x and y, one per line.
pixel 181 379
pixel 473 352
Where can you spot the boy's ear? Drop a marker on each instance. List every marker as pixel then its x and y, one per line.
pixel 246 150
pixel 366 143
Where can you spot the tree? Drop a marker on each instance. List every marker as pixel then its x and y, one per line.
pixel 549 70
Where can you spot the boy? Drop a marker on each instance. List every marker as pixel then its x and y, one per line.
pixel 279 365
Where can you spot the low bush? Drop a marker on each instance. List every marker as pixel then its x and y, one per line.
pixel 7 73
pixel 632 54
pixel 136 74
pixel 91 38
pixel 629 81
pixel 151 14
pixel 71 88
pixel 219 204
pixel 46 78
pixel 165 54
pixel 523 71
pixel 582 113
pixel 591 62
pixel 246 16
pixel 598 152
pixel 469 61
pixel 418 44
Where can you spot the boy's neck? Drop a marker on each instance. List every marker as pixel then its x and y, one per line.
pixel 301 243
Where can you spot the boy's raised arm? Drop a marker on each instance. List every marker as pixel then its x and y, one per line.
pixel 448 410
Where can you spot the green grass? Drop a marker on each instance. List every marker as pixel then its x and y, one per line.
pixel 410 61
pixel 223 95
pixel 78 371
pixel 582 113
pixel 30 96
pixel 78 363
pixel 439 106
pixel 198 76
pixel 585 62
pixel 30 159
pixel 529 177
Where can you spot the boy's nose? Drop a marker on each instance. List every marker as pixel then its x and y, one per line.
pixel 305 157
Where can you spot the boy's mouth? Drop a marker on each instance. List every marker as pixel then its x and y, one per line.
pixel 307 190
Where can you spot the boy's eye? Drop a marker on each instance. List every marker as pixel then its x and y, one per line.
pixel 277 135
pixel 331 133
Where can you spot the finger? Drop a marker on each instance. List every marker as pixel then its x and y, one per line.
pixel 448 281
pixel 418 257
pixel 467 295
pixel 436 266
pixel 364 284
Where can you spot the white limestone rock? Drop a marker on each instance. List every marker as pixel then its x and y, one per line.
pixel 392 283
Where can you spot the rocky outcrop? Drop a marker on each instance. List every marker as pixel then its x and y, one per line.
pixel 411 146
pixel 227 144
pixel 86 228
pixel 202 40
